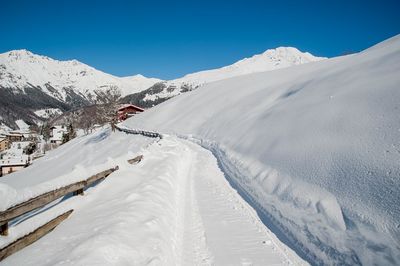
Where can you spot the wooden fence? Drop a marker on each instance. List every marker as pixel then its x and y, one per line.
pixel 44 199
pixel 37 202
pixel 139 132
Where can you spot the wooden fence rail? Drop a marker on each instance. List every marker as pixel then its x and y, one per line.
pixel 42 200
pixel 139 132
pixel 30 238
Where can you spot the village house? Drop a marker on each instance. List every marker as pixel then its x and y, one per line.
pixel 128 110
pixel 4 144
pixel 56 134
pixel 12 137
pixel 10 165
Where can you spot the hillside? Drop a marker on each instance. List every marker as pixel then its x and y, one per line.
pixel 313 148
pixel 31 83
pixel 271 59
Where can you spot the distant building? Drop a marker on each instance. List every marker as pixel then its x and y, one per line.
pixel 10 165
pixel 12 137
pixel 4 144
pixel 17 148
pixel 56 134
pixel 127 111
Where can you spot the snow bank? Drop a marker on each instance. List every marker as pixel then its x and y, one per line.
pixel 81 158
pixel 316 147
pixel 132 218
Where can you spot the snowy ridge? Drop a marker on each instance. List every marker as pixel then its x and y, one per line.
pixel 271 59
pixel 21 68
pixel 320 141
pixel 30 83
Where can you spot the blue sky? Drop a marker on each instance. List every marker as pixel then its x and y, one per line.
pixel 168 39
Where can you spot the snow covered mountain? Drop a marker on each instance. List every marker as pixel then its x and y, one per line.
pixel 271 59
pixel 315 149
pixel 20 69
pixel 302 159
pixel 30 83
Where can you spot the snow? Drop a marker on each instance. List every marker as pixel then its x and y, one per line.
pixel 48 112
pixel 20 68
pixel 23 127
pixel 314 148
pixel 81 158
pixel 230 229
pixel 4 129
pixel 17 148
pixel 140 82
pixel 265 168
pixel 271 59
pixel 157 212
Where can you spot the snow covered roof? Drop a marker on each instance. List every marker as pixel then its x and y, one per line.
pixel 19 161
pixel 15 134
pixel 130 105
pixel 59 128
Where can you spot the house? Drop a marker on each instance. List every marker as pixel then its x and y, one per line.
pixel 56 134
pixel 4 144
pixel 10 165
pixel 128 110
pixel 17 148
pixel 13 136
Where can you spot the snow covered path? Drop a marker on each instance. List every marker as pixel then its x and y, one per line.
pixel 233 234
pixel 174 208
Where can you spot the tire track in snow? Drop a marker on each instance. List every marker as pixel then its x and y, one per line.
pixel 219 222
pixel 195 250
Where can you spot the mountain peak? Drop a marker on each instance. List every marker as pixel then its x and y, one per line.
pixel 271 59
pixel 18 53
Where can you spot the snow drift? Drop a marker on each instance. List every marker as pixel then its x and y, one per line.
pixel 315 147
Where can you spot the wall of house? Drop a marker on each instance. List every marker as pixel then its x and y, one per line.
pixel 4 145
pixel 15 138
pixel 11 169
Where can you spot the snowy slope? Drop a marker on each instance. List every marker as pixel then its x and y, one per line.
pixel 21 68
pixel 316 148
pixel 271 59
pixel 154 213
pixel 139 82
pixel 48 112
pixel 30 82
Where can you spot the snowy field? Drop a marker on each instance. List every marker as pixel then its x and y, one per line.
pixel 174 208
pixel 288 167
pixel 315 149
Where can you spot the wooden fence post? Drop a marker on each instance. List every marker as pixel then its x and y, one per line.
pixel 4 229
pixel 78 192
